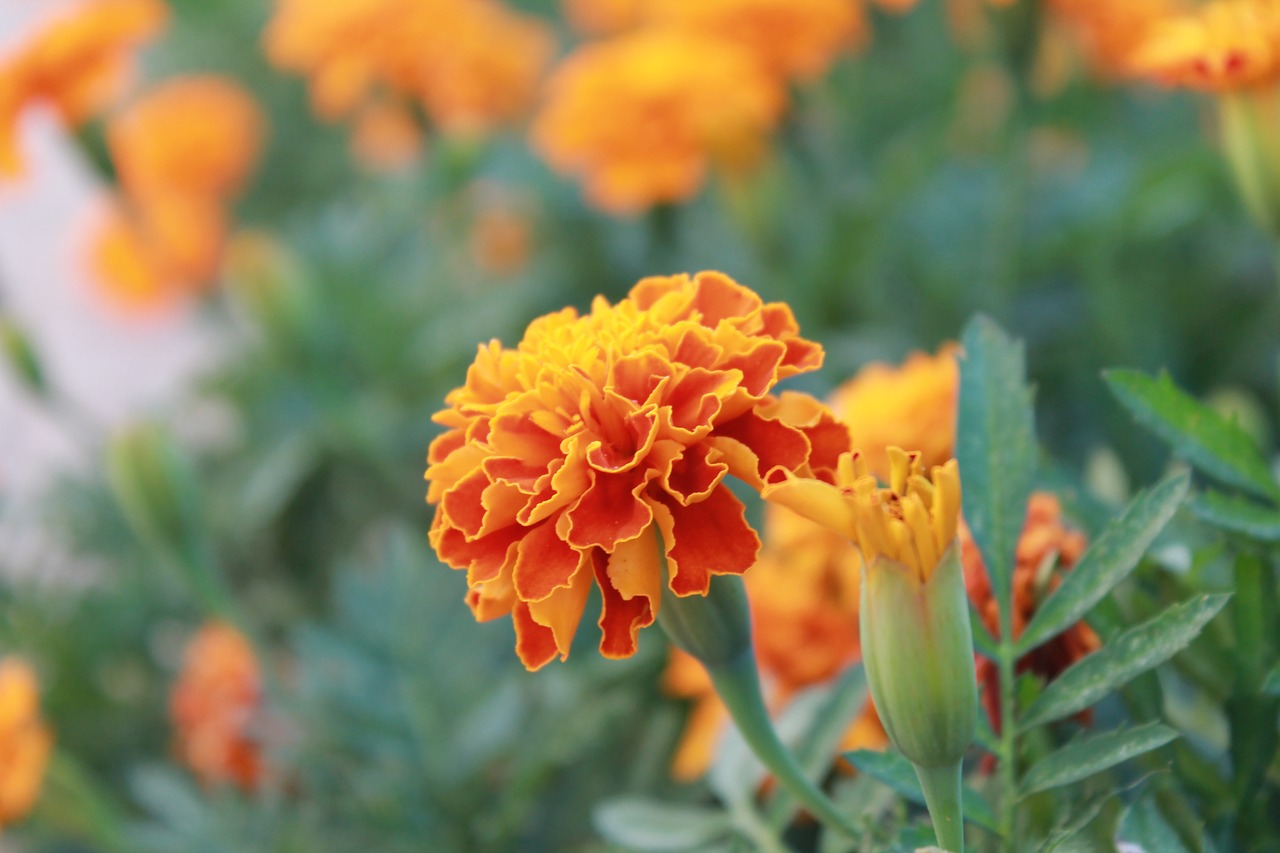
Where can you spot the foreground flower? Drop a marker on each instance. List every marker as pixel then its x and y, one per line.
pixel 1046 549
pixel 917 645
pixel 182 152
pixel 796 39
pixel 78 63
pixel 471 64
pixel 642 118
pixel 25 741
pixel 215 706
pixel 566 457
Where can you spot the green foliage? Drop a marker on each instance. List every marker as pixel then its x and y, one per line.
pixel 897 772
pixel 1092 754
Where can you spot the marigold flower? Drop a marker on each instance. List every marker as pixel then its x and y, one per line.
pixel 797 39
pixel 387 137
pixel 909 405
pixel 77 63
pixel 640 119
pixel 566 454
pixel 215 705
pixel 471 63
pixel 1046 549
pixel 25 741
pixel 1221 46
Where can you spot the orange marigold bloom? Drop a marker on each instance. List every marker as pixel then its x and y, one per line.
pixel 1221 46
pixel 565 455
pixel 641 118
pixel 387 137
pixel 25 741
pixel 471 63
pixel 77 63
pixel 797 39
pixel 911 405
pixel 1046 549
pixel 215 705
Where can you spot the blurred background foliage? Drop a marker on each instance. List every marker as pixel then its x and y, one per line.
pixel 916 184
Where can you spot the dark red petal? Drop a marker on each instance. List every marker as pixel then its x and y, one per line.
pixel 608 512
pixel 620 619
pixel 544 562
pixel 706 538
pixel 535 644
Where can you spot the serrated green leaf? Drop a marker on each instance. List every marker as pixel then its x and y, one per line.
pixel 1238 515
pixel 1197 433
pixel 1092 754
pixel 1107 562
pixel 896 772
pixel 995 445
pixel 657 827
pixel 1133 652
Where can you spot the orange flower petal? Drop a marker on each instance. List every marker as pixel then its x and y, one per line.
pixel 544 563
pixel 711 537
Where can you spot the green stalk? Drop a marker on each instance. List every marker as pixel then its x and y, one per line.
pixel 738 685
pixel 942 793
pixel 1008 751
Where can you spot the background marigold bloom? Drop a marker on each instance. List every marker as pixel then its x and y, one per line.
pixel 25 741
pixel 603 17
pixel 77 63
pixel 564 456
pixel 471 63
pixel 1221 46
pixel 1109 32
pixel 797 39
pixel 214 706
pixel 1046 549
pixel 641 118
pixel 386 137
pixel 911 405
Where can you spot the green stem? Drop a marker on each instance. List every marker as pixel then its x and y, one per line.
pixel 1008 752
pixel 738 685
pixel 942 794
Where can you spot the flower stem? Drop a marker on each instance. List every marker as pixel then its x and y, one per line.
pixel 1008 780
pixel 942 794
pixel 738 685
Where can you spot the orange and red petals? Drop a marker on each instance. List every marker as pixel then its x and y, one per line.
pixel 535 644
pixel 544 563
pixel 620 618
pixel 705 539
pixel 568 448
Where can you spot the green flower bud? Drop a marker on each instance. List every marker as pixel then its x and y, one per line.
pixel 917 647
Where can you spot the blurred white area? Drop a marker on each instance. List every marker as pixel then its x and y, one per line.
pixel 109 366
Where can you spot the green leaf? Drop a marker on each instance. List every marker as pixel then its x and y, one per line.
pixel 1133 652
pixel 1197 433
pixel 1238 515
pixel 1144 827
pixel 898 773
pixel 1272 685
pixel 995 445
pixel 1092 754
pixel 649 825
pixel 1107 562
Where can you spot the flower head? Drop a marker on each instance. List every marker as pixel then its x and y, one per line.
pixel 641 118
pixel 1110 33
pixel 564 456
pixel 908 405
pixel 796 39
pixel 77 63
pixel 215 705
pixel 471 64
pixel 25 741
pixel 1221 46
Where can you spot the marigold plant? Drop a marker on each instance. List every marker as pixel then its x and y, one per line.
pixel 568 459
pixel 25 740
pixel 215 705
pixel 77 63
pixel 642 118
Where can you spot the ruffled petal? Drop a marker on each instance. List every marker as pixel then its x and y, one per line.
pixel 544 563
pixel 772 443
pixel 561 611
pixel 815 500
pixel 535 644
pixel 620 619
pixel 708 538
pixel 635 570
pixel 608 513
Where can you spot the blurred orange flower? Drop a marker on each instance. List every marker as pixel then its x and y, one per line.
pixel 1221 46
pixel 568 458
pixel 797 39
pixel 182 152
pixel 25 741
pixel 641 118
pixel 215 705
pixel 909 405
pixel 472 64
pixel 77 63
pixel 387 137
pixel 1109 33
pixel 1046 549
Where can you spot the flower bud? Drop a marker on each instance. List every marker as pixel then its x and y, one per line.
pixel 1251 139
pixel 715 628
pixel 155 486
pixel 917 647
